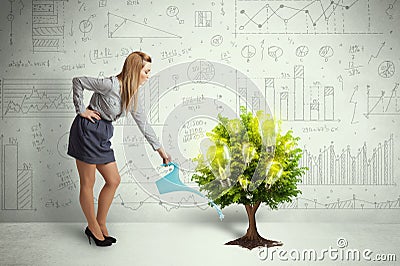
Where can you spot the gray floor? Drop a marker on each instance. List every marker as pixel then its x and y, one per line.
pixel 195 244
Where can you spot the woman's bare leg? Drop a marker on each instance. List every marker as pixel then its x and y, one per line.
pixel 110 174
pixel 87 174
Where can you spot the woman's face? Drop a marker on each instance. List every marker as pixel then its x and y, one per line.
pixel 145 73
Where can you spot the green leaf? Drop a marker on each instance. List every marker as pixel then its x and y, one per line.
pixel 261 163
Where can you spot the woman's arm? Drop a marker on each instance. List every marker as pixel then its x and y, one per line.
pixel 166 157
pixel 140 118
pixel 79 84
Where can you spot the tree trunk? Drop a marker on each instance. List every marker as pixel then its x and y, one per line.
pixel 252 233
pixel 252 238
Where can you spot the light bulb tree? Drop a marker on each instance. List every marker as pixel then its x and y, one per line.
pixel 248 162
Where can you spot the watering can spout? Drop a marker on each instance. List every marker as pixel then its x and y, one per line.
pixel 172 183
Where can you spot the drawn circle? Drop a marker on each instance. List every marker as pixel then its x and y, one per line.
pixel 217 40
pixel 342 242
pixel 275 52
pixel 173 111
pixel 10 17
pixel 326 52
pixel 85 26
pixel 248 51
pixel 302 51
pixel 172 11
pixel 386 69
pixel 201 71
pixel 62 146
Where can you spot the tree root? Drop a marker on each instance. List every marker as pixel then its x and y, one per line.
pixel 250 243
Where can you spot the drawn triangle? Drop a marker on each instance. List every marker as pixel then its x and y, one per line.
pixel 120 27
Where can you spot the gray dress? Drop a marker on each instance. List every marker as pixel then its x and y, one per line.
pixel 90 142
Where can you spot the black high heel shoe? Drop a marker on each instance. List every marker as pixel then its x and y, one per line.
pixel 98 242
pixel 112 239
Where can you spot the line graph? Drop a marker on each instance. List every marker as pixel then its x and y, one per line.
pixel 377 53
pixel 351 203
pixel 132 198
pixel 305 17
pixel 185 202
pixel 329 168
pixel 383 104
pixel 36 98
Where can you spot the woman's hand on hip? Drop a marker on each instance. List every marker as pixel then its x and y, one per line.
pixel 90 114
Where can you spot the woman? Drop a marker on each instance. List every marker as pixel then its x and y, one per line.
pixel 89 140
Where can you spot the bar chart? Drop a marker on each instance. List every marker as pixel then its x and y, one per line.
pixel 332 168
pixel 16 182
pixel 293 100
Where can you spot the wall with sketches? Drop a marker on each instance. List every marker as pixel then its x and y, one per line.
pixel 328 69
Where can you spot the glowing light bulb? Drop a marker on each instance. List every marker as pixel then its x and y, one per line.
pixel 266 126
pixel 248 152
pixel 274 173
pixel 218 159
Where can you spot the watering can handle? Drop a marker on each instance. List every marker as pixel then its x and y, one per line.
pixel 170 163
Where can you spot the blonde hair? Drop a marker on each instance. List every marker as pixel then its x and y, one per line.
pixel 129 78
